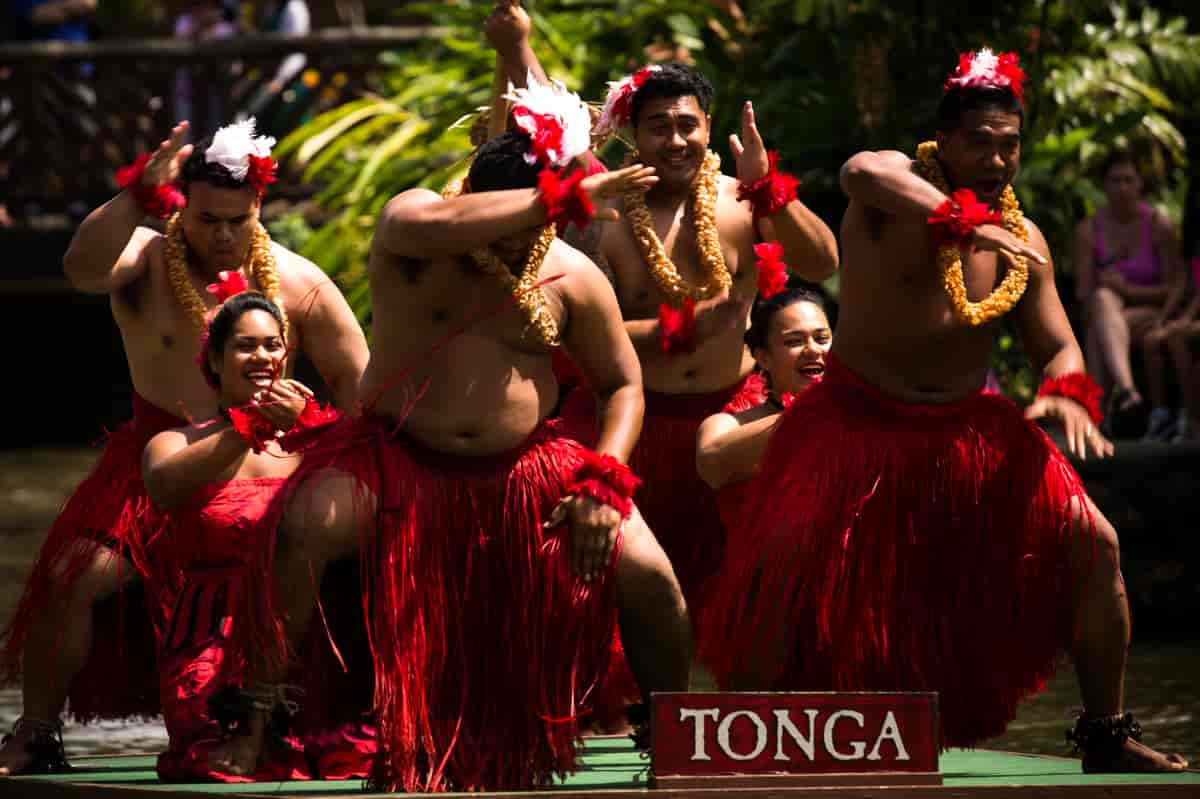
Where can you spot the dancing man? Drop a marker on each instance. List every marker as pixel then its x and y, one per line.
pixel 498 549
pixel 909 531
pixel 63 640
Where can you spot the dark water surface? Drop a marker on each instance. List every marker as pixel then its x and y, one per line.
pixel 1162 689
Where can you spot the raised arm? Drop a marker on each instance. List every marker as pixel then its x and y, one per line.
pixel 810 245
pixel 598 344
pixel 108 250
pixel 728 452
pixel 331 336
pixel 420 224
pixel 508 28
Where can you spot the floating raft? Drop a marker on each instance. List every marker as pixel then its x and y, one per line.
pixel 613 770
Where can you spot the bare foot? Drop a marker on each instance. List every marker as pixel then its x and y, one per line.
pixel 239 755
pixel 1131 757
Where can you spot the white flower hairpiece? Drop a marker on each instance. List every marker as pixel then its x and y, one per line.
pixel 555 119
pixel 233 145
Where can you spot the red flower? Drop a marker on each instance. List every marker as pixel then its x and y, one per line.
pixel 956 218
pixel 772 271
pixel 260 171
pixel 677 327
pixel 229 283
pixel 1008 68
pixel 564 199
pixel 545 130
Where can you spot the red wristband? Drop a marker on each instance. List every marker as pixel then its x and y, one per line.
pixel 314 417
pixel 956 218
pixel 677 327
pixel 606 480
pixel 772 270
pixel 160 201
pixel 252 426
pixel 1076 386
pixel 770 193
pixel 564 199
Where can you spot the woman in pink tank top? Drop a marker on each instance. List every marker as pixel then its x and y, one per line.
pixel 1126 257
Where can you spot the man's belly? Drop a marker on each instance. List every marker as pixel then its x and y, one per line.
pixel 913 370
pixel 720 363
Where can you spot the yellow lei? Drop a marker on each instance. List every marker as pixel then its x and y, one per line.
pixel 261 265
pixel 525 292
pixel 949 256
pixel 715 279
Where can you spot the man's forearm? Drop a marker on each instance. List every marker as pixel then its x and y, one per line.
pixel 881 183
pixel 621 413
pixel 808 243
pixel 461 224
pixel 519 63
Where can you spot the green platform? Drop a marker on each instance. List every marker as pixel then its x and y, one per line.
pixel 611 768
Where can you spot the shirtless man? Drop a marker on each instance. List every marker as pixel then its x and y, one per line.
pixel 945 543
pixel 491 560
pixel 689 380
pixel 102 540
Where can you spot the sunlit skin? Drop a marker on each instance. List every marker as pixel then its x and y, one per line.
pixel 983 154
pixel 219 225
pixel 251 360
pixel 797 343
pixel 672 136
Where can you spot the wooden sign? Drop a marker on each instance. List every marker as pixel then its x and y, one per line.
pixel 776 739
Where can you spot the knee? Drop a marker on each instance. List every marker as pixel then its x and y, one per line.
pixel 1096 539
pixel 645 578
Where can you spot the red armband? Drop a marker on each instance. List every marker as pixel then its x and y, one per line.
pixel 770 193
pixel 564 199
pixel 306 430
pixel 772 271
pixel 606 480
pixel 1076 386
pixel 677 327
pixel 160 201
pixel 956 218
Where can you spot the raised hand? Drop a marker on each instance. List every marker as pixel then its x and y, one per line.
pixel 594 530
pixel 167 162
pixel 749 151
pixel 1081 433
pixel 997 239
pixel 282 403
pixel 508 26
pixel 607 185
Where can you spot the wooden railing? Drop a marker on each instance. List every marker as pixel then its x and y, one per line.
pixel 71 114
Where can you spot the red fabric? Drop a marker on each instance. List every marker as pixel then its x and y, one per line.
pixel 1076 386
pixel 680 508
pixel 218 538
pixel 887 546
pixel 955 220
pixel 486 646
pixel 606 480
pixel 772 270
pixel 564 199
pixel 108 509
pixel 161 200
pixel 771 193
pixel 677 327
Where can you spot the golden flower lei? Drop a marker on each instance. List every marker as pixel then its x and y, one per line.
pixel 715 279
pixel 261 265
pixel 524 290
pixel 1006 295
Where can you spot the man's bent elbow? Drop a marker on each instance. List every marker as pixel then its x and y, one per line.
pixel 857 172
pixel 82 276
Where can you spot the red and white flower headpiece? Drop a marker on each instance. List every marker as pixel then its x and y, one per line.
pixel 246 156
pixel 555 119
pixel 618 105
pixel 985 69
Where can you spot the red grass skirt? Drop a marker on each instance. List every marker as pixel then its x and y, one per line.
pixel 486 645
pixel 679 507
pixel 901 547
pixel 108 509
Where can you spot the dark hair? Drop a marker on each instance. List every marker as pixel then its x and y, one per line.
pixel 222 326
pixel 673 80
pixel 957 102
pixel 1117 157
pixel 500 164
pixel 764 311
pixel 196 168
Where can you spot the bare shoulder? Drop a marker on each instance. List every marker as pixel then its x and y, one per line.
pixel 296 270
pixel 1038 242
pixel 1161 225
pixel 407 201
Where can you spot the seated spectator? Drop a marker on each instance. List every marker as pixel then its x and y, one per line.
pixel 1126 256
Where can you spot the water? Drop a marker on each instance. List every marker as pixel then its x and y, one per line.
pixel 1162 688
